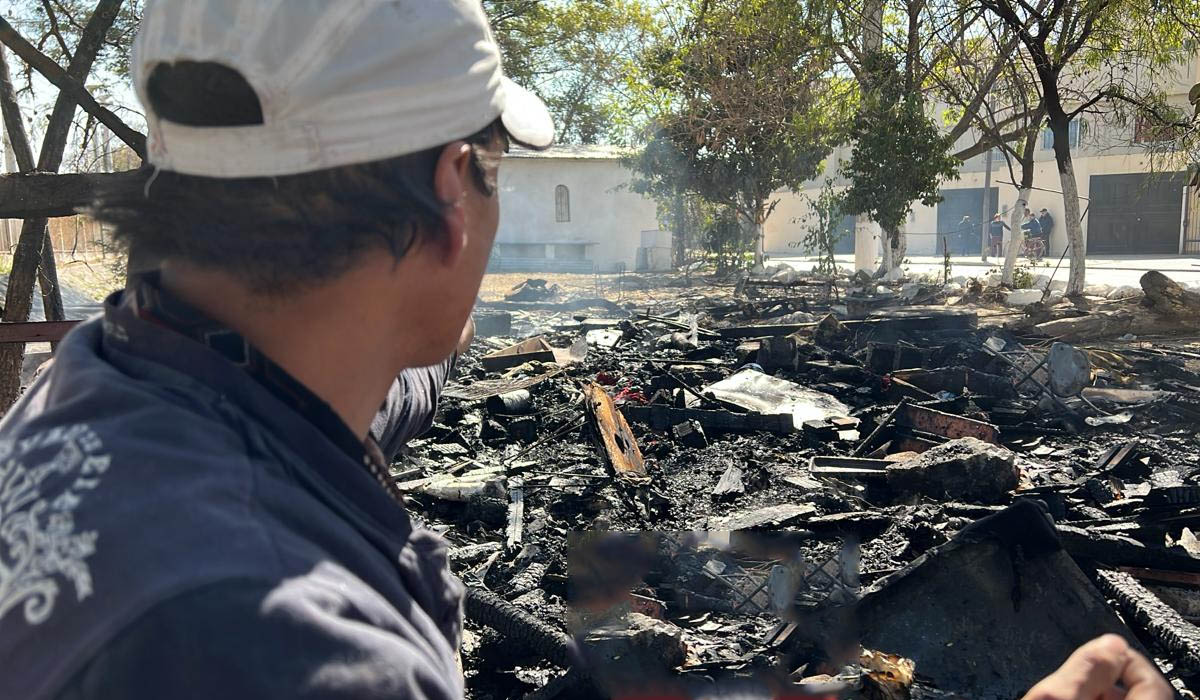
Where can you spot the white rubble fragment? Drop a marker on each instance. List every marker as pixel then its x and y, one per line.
pixel 1024 297
pixel 1124 292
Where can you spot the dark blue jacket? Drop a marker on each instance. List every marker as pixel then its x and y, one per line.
pixel 171 529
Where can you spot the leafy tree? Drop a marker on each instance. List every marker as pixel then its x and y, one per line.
pixel 900 155
pixel 1094 56
pixel 744 105
pixel 574 54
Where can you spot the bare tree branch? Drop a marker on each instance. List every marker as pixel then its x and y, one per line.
pixel 53 72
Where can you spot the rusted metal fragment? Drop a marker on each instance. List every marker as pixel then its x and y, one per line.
pixel 615 440
pixel 947 425
pixel 1181 578
pixel 1159 620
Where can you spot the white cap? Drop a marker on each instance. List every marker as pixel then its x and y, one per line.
pixel 340 81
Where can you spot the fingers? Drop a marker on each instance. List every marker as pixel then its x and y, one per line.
pixel 1143 681
pixel 1094 670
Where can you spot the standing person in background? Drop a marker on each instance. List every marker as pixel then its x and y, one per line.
pixel 997 227
pixel 1030 225
pixel 1046 224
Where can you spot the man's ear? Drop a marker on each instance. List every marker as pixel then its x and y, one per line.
pixel 451 178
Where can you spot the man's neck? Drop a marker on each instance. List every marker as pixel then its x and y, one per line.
pixel 312 335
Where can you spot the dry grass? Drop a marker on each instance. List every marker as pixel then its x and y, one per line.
pixel 93 276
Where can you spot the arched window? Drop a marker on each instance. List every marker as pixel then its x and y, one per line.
pixel 562 204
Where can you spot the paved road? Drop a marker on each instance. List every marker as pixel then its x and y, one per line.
pixel 1111 271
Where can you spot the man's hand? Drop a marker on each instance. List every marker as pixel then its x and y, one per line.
pixel 1104 669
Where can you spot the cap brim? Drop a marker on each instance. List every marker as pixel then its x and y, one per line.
pixel 526 117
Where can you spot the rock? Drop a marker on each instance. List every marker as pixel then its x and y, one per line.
pixel 994 279
pixel 637 640
pixel 1070 369
pixel 967 469
pixel 675 341
pixel 1124 292
pixel 690 434
pixel 1024 297
pixel 1097 290
pixel 954 288
pixel 785 275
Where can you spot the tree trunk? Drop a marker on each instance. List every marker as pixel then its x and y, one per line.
pixel 895 246
pixel 865 245
pixel 1074 228
pixel 28 255
pixel 680 233
pixel 1016 235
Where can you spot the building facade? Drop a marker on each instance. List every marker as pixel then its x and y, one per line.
pixel 570 209
pixel 1135 198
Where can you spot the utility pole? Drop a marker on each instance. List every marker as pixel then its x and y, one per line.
pixel 985 218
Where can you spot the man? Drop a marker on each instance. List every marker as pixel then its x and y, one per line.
pixel 1046 224
pixel 996 230
pixel 193 502
pixel 193 499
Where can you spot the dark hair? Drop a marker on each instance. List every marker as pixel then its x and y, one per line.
pixel 277 234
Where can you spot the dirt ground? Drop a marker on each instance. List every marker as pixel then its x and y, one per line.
pixel 94 276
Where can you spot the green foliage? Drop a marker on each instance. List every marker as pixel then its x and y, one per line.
pixel 575 54
pixel 743 104
pixel 1023 276
pixel 900 156
pixel 57 32
pixel 824 229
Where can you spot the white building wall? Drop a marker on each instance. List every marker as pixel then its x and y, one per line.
pixel 786 226
pixel 604 213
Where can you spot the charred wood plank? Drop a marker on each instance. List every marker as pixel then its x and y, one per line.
pixel 615 440
pixel 1154 617
pixel 661 417
pixel 1114 550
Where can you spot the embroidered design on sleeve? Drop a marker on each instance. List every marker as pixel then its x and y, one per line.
pixel 39 547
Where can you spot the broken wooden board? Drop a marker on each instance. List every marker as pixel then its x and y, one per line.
pixel 529 350
pixel 762 518
pixel 1002 593
pixel 614 439
pixel 946 320
pixel 946 425
pixel 661 417
pixel 849 467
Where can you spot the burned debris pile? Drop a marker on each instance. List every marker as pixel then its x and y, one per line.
pixel 794 485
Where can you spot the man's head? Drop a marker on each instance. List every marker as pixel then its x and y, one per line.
pixel 1045 211
pixel 303 144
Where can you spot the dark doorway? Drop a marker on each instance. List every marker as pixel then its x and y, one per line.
pixel 1135 213
pixel 958 217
